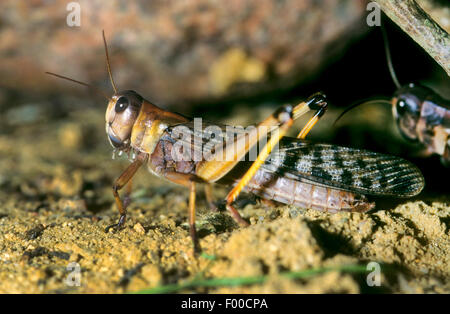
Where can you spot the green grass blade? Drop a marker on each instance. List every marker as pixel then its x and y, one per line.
pixel 239 281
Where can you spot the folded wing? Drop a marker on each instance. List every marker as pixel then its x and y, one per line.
pixel 345 168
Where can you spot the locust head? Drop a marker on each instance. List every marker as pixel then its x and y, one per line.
pixel 406 107
pixel 121 114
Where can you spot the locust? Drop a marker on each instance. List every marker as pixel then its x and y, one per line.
pixel 421 115
pixel 283 169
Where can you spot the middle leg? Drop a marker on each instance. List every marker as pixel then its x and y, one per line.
pixel 189 181
pixel 209 197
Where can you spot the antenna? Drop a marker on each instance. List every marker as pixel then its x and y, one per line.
pixel 389 57
pixel 367 101
pixel 108 66
pixel 79 82
pixel 377 100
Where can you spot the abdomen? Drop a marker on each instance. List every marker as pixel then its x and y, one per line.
pixel 293 192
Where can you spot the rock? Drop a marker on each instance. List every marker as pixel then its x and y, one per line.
pixel 174 52
pixel 138 228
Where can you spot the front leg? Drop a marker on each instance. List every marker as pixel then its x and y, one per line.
pixel 120 183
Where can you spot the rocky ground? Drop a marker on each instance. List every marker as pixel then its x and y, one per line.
pixel 56 200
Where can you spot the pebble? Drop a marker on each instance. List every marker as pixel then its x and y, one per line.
pixel 139 229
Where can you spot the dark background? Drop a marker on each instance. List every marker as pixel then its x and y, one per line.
pixel 362 72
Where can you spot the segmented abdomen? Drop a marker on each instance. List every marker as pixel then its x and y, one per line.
pixel 302 194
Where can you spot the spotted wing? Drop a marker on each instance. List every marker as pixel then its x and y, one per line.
pixel 204 136
pixel 350 169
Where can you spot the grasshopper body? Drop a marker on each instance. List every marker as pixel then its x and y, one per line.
pixel 287 170
pixel 318 176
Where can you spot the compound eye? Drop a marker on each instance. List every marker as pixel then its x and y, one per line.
pixel 121 104
pixel 401 107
